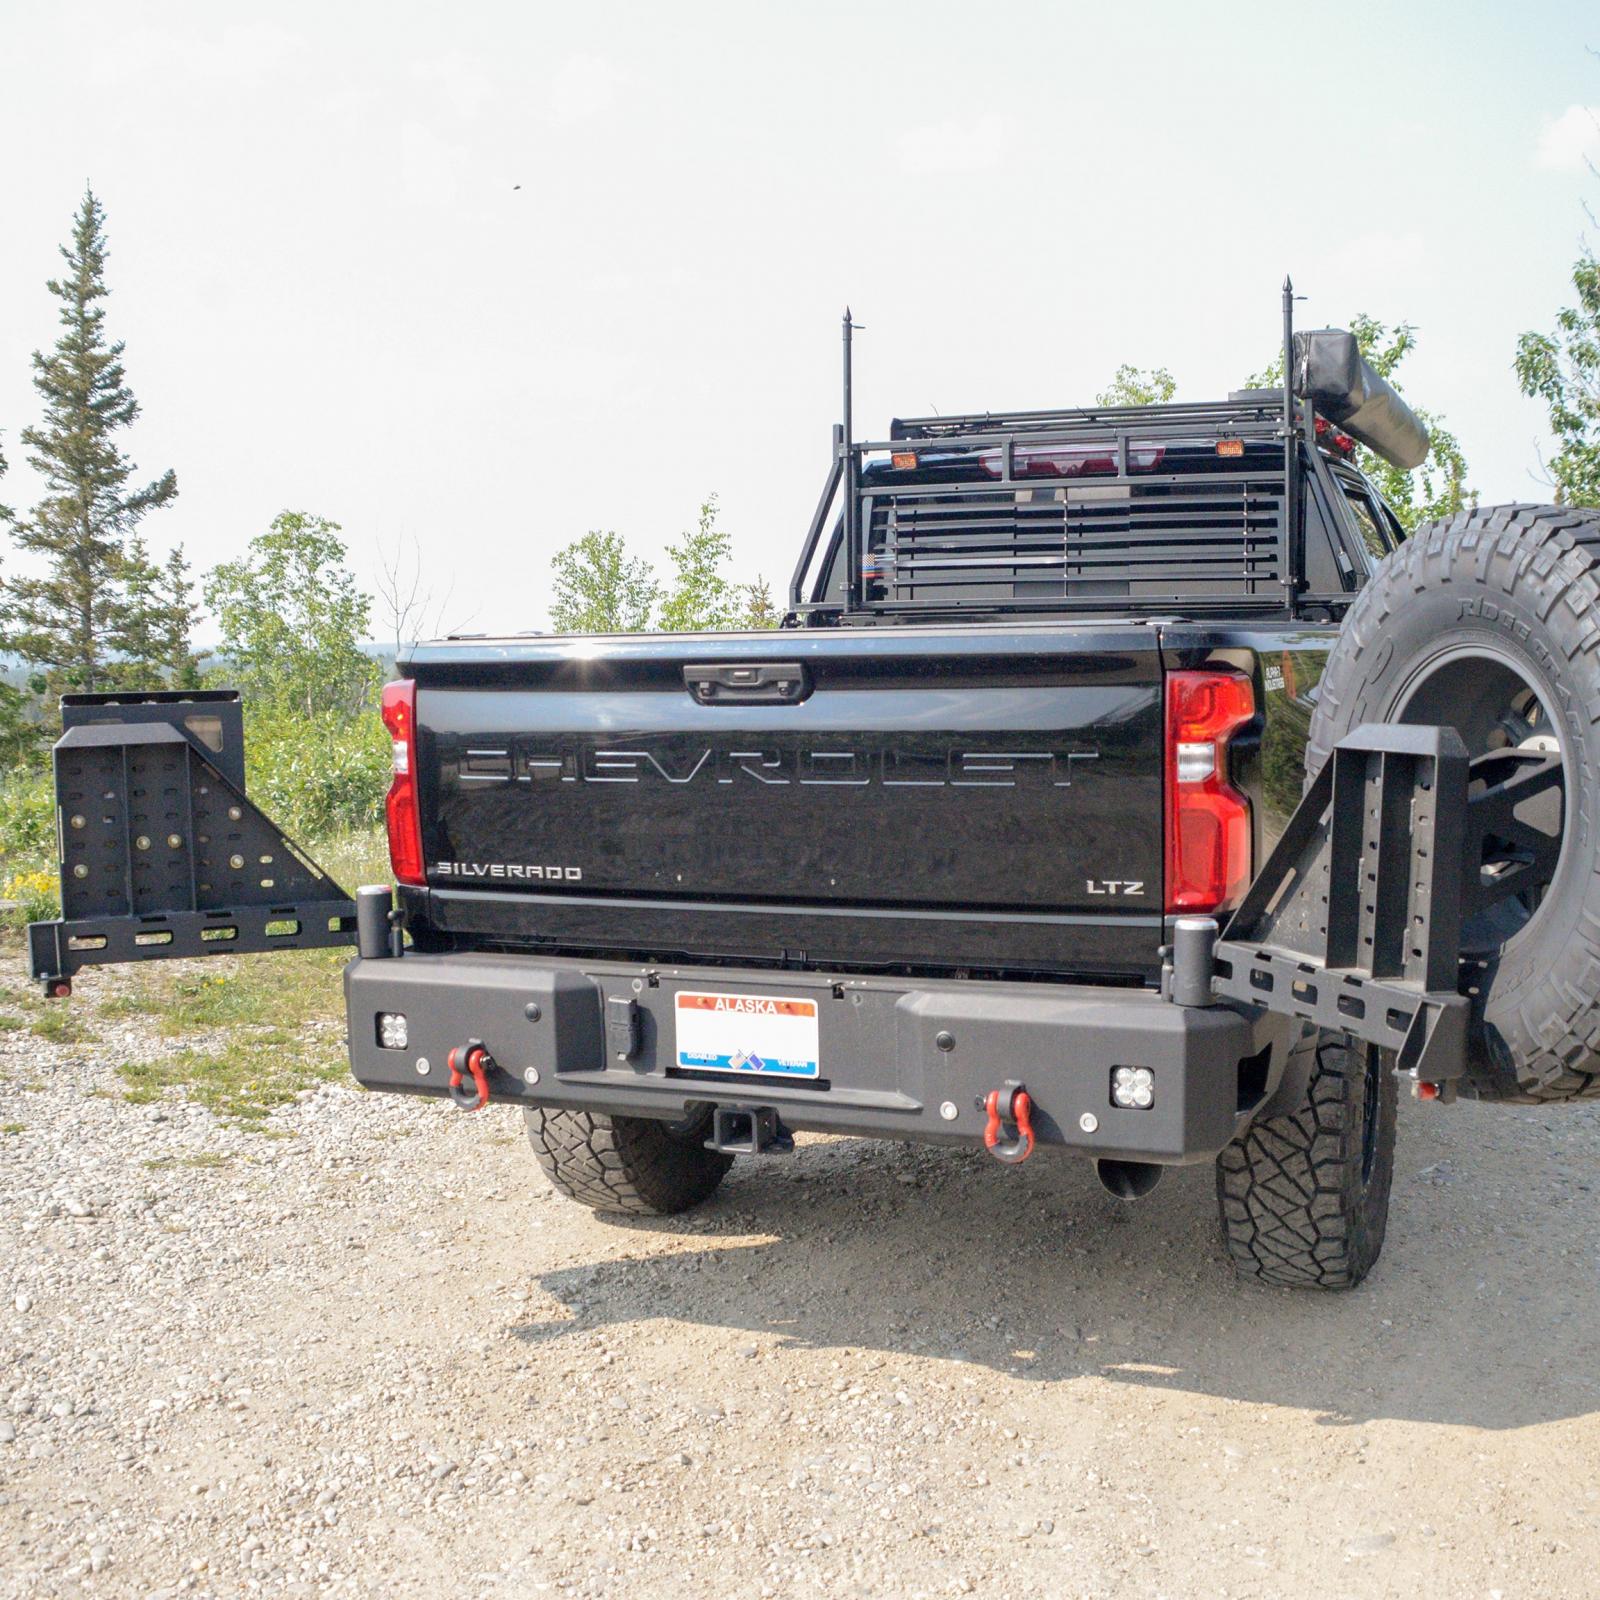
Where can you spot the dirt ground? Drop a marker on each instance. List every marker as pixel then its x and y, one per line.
pixel 379 1357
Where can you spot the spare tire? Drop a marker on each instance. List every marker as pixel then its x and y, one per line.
pixel 1489 622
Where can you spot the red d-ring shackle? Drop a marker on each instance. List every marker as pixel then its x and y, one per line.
pixel 1010 1104
pixel 473 1096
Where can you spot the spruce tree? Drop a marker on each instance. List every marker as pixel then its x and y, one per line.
pixel 152 643
pixel 759 609
pixel 73 619
pixel 175 597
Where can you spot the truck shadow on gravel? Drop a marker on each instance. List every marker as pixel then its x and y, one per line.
pixel 1477 1314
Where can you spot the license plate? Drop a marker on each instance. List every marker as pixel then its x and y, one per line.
pixel 764 1035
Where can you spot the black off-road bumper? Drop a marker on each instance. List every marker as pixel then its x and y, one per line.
pixel 899 1058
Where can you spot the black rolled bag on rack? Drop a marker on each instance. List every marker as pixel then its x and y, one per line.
pixel 1343 386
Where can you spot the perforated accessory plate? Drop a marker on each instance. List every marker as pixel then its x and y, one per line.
pixel 161 856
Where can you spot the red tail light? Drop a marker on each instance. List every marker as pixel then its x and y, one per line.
pixel 1208 820
pixel 401 810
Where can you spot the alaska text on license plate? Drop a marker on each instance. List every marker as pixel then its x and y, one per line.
pixel 756 1033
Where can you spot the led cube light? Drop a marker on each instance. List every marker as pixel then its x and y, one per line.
pixel 1133 1088
pixel 392 1031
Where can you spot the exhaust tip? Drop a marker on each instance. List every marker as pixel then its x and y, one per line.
pixel 1128 1180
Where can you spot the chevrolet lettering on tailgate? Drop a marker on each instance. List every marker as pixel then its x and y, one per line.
pixel 911 765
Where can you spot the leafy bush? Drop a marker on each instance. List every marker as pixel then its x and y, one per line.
pixel 321 775
pixel 27 820
pixel 292 620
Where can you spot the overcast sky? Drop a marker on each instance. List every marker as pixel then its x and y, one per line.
pixel 336 297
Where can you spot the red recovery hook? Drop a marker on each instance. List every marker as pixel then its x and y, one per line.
pixel 1010 1104
pixel 471 1056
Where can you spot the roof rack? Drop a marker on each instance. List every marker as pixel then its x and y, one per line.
pixel 1261 406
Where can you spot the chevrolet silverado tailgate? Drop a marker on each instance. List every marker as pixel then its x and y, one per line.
pixel 906 777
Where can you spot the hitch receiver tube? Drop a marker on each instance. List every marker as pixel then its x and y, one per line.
pixel 748 1131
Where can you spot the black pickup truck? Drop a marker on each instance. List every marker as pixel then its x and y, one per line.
pixel 952 855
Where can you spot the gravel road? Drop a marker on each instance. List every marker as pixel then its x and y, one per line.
pixel 379 1357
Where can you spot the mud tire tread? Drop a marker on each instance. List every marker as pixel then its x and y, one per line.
pixel 624 1166
pixel 1295 1208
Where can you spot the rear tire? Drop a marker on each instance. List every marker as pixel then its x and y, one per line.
pixel 1469 614
pixel 1304 1192
pixel 625 1166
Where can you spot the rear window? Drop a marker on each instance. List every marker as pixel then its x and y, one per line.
pixel 1370 520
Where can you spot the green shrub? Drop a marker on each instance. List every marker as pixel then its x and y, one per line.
pixel 316 776
pixel 27 821
pixel 354 858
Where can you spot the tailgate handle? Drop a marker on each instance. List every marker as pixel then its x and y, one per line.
pixel 748 683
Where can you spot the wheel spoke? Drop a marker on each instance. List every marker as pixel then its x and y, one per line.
pixel 1510 778
pixel 1515 856
pixel 1516 728
pixel 1514 874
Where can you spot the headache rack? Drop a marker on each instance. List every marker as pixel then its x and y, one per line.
pixel 1149 514
pixel 1193 508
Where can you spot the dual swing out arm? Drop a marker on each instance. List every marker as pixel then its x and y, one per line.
pixel 1355 922
pixel 161 854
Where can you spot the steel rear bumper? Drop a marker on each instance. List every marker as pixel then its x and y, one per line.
pixel 896 1054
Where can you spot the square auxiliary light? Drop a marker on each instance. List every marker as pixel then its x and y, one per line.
pixel 1133 1088
pixel 392 1031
